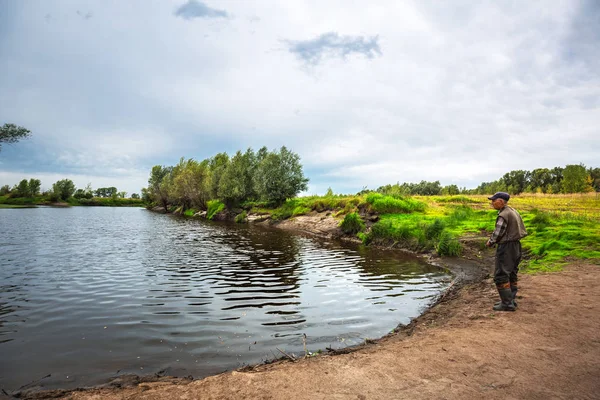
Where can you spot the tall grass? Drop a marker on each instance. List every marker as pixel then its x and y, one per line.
pixel 214 207
pixel 389 205
pixel 352 224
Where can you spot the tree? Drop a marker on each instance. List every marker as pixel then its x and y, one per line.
pixel 159 184
pixel 22 189
pixel 34 187
pixel 135 196
pixel 191 183
pixel 63 189
pixel 574 179
pixel 217 166
pixel 450 190
pixel 279 176
pixel 11 133
pixel 4 190
pixel 121 194
pixel 237 182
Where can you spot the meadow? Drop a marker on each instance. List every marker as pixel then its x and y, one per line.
pixel 562 228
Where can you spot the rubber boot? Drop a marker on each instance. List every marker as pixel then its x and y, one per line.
pixel 513 289
pixel 506 301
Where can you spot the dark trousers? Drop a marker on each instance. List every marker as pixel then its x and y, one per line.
pixel 508 257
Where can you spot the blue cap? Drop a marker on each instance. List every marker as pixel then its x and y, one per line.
pixel 500 195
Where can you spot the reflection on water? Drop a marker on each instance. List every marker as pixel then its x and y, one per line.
pixel 90 293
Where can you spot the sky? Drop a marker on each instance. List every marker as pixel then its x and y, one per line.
pixel 366 93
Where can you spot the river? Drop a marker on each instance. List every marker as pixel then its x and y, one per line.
pixel 87 294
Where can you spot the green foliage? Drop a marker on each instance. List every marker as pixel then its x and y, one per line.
pixel 63 189
pixel 279 176
pixel 34 186
pixel 352 224
pixel 423 188
pixel 159 185
pixel 242 217
pixel 388 204
pixel 456 199
pixel 434 230
pixel 574 179
pixel 236 184
pixel 101 192
pixel 106 202
pixel 11 133
pixel 214 207
pixel 190 212
pixel 4 190
pixel 22 189
pixel 448 245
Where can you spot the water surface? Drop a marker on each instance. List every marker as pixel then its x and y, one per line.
pixel 87 294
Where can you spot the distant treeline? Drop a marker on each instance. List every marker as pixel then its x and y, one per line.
pixel 570 179
pixel 266 176
pixel 61 190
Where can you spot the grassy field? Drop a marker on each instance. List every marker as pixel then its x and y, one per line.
pixel 562 228
pixel 6 202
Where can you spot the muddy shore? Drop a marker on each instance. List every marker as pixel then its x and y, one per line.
pixel 457 348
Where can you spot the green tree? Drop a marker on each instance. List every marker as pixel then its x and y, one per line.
pixel 191 180
pixel 135 196
pixel 450 190
pixel 4 190
pixel 237 182
pixel 34 187
pixel 574 179
pixel 217 166
pixel 22 189
pixel 541 178
pixel 11 133
pixel 159 185
pixel 63 189
pixel 595 175
pixel 279 176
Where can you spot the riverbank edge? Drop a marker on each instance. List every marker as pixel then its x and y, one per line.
pixel 467 273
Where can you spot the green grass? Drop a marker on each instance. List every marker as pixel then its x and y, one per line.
pixel 562 228
pixel 388 204
pixel 106 202
pixel 352 224
pixel 214 207
pixel 96 201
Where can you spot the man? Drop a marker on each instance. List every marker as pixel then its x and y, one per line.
pixel 508 234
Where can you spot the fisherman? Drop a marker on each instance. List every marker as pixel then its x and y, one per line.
pixel 509 231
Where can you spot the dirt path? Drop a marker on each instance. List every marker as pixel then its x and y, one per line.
pixel 548 349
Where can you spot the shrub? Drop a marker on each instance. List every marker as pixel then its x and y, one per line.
pixel 448 245
pixel 434 230
pixel 214 207
pixel 352 223
pixel 242 217
pixel 190 212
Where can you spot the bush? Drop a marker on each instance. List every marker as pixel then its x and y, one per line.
pixel 352 223
pixel 214 207
pixel 242 217
pixel 448 245
pixel 434 230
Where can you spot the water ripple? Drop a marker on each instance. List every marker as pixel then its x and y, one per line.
pixel 86 292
